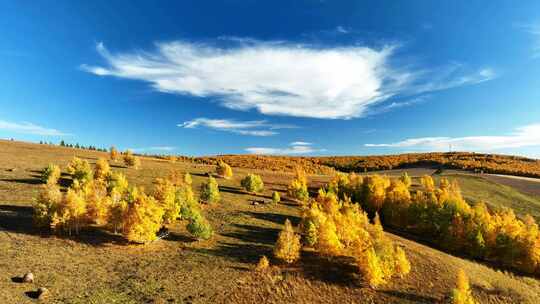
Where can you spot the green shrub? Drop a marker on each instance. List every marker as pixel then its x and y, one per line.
pixel 51 174
pixel 275 197
pixel 252 183
pixel 210 191
pixel 199 227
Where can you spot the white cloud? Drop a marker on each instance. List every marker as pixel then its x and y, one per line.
pixel 301 143
pixel 527 136
pixel 293 148
pixel 279 78
pixel 252 127
pixel 29 128
pixel 341 29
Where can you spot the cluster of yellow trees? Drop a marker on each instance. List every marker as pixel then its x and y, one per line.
pixel 336 227
pixel 441 214
pixel 130 160
pixel 105 198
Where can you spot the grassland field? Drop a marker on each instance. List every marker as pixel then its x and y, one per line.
pixel 101 267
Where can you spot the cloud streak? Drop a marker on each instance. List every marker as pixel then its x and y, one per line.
pixel 252 127
pixel 29 128
pixel 526 136
pixel 280 78
pixel 294 148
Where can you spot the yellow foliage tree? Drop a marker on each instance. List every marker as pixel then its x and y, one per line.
pixel 328 241
pixel 165 194
pixel 462 293
pixel 102 169
pixel 113 153
pixel 51 174
pixel 263 264
pixel 298 187
pixel 143 217
pixel 287 247
pixel 46 205
pixel 370 268
pixel 80 170
pixel 223 169
pixel 131 161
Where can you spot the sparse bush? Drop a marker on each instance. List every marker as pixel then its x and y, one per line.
pixel 143 217
pixel 102 169
pixel 210 191
pixel 403 266
pixel 287 247
pixel 187 179
pixel 263 264
pixel 224 170
pixel 462 293
pixel 199 227
pixel 275 197
pixel 131 161
pixel 51 174
pixel 252 183
pixel 80 170
pixel 113 153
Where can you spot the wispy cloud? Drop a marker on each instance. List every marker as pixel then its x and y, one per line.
pixel 341 29
pixel 526 136
pixel 293 148
pixel 30 128
pixel 534 30
pixel 252 127
pixel 280 78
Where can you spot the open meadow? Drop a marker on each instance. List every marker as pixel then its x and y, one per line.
pixel 99 266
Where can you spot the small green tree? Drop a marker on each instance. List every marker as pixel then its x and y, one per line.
pixel 210 191
pixel 252 183
pixel 51 174
pixel 199 227
pixel 275 197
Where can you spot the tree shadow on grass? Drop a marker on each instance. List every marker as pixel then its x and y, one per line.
pixel 32 294
pixel 254 234
pixel 339 270
pixel 18 219
pixel 273 217
pixel 237 252
pixel 28 181
pixel 409 296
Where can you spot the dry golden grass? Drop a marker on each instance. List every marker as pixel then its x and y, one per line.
pixel 100 267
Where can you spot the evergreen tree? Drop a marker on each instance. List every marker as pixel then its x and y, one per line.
pixel 210 191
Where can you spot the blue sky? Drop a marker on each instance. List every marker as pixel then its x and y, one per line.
pixel 281 77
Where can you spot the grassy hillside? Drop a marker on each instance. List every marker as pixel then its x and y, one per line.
pixel 479 189
pixel 474 162
pixel 100 267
